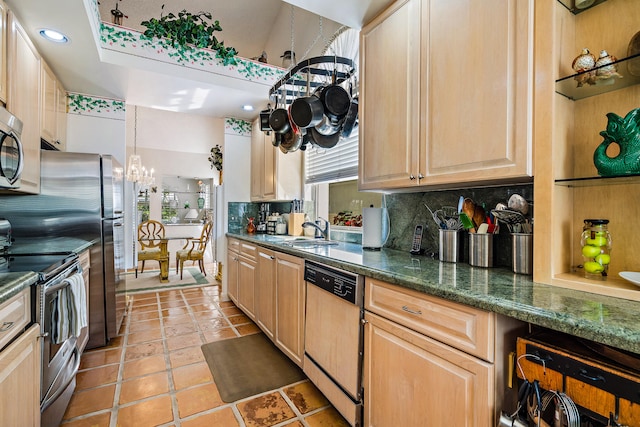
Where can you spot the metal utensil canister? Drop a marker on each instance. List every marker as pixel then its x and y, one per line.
pixel 451 245
pixel 522 250
pixel 481 250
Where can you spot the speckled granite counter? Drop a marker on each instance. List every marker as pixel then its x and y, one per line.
pixel 12 283
pixel 607 320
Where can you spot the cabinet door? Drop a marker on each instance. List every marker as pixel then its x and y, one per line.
pixel 246 286
pixel 290 302
pixel 20 381
pixel 263 165
pixel 257 164
pixel 266 292
pixel 476 76
pixel 412 380
pixel 390 98
pixel 232 275
pixel 3 52
pixel 48 117
pixel 24 100
pixel 61 116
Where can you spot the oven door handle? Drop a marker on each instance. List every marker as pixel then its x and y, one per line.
pixel 48 401
pixel 63 284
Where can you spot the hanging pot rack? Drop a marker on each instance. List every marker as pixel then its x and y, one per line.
pixel 292 85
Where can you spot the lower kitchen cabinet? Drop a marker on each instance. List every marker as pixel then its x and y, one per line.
pixel 247 279
pixel 432 362
pixel 20 381
pixel 233 258
pixel 265 292
pixel 290 306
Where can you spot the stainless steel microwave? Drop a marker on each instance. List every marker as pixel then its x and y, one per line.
pixel 11 152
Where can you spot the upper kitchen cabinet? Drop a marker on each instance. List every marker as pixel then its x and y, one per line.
pixel 274 174
pixel 446 94
pixel 53 109
pixel 567 132
pixel 3 52
pixel 23 98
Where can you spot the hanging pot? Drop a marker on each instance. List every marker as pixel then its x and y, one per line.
pixel 328 126
pixel 324 141
pixel 350 122
pixel 336 101
pixel 292 139
pixel 306 111
pixel 279 120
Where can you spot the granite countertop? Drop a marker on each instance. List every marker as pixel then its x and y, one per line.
pixel 13 283
pixel 607 320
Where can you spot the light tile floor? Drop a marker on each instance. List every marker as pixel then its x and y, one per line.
pixel 154 373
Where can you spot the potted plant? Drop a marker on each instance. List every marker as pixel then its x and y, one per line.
pixel 188 29
pixel 215 158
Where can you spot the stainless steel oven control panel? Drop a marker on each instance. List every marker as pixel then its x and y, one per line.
pixel 345 285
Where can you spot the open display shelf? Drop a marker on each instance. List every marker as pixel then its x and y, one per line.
pixel 599 180
pixel 310 74
pixel 628 67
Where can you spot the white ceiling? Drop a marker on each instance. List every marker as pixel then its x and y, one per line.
pixel 250 26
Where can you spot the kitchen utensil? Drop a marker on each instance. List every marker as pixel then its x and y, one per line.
pixel 466 222
pixel 351 120
pixel 483 228
pixel 306 111
pixel 518 203
pixel 336 101
pixel 279 120
pixel 440 224
pixel 510 218
pixel 324 141
pixel 327 127
pixel 501 206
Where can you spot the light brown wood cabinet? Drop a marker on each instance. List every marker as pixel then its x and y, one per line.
pixel 23 99
pixel 266 292
pixel 19 363
pixel 439 108
pixel 429 361
pixel 274 175
pixel 290 306
pixel 233 259
pixel 3 52
pixel 53 109
pixel 247 275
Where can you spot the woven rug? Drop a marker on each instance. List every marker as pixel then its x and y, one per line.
pixel 150 280
pixel 249 365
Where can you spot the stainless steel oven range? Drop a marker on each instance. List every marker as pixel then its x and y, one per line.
pixel 60 360
pixel 334 337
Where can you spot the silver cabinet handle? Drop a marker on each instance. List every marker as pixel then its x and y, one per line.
pixel 420 176
pixel 408 310
pixel 411 177
pixel 6 326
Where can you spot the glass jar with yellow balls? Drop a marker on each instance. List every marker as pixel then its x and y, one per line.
pixel 596 248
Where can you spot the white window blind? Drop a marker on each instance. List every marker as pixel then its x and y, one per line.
pixel 333 164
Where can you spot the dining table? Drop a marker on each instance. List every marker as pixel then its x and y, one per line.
pixel 164 260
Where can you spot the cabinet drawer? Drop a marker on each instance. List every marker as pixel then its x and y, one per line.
pixel 248 250
pixel 465 328
pixel 15 314
pixel 233 245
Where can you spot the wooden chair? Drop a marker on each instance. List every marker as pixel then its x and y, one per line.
pixel 194 249
pixel 152 245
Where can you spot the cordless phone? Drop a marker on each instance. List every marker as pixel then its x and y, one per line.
pixel 417 240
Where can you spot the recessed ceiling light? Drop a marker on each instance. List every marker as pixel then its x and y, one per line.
pixel 54 36
pixel 247 107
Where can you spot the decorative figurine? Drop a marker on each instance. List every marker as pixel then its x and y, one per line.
pixel 625 132
pixel 607 69
pixel 582 63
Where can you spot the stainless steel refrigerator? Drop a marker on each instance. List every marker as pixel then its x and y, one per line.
pixel 81 196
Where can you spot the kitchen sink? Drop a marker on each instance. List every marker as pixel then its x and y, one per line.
pixel 307 242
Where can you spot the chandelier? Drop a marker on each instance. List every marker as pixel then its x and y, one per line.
pixel 135 171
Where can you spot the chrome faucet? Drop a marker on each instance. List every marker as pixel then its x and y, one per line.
pixel 323 231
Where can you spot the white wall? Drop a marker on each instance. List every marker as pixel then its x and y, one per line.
pixel 88 134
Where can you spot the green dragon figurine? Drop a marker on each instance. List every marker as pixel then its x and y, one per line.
pixel 626 133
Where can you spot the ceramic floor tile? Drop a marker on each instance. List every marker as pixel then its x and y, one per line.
pixel 326 418
pixel 202 316
pixel 219 334
pixel 144 336
pixel 142 387
pixel 223 418
pixel 177 320
pixel 144 307
pixel 203 306
pixel 266 410
pixel 190 375
pixel 198 399
pixel 248 329
pixel 93 359
pixel 97 376
pixel 114 342
pixel 144 366
pixel 182 341
pixel 231 311
pixel 143 350
pixel 151 412
pixel 224 304
pixel 186 356
pixel 306 397
pixel 239 320
pixel 98 420
pixel 145 315
pixel 295 424
pixel 175 311
pixel 86 402
pixel 144 325
pixel 177 330
pixel 213 324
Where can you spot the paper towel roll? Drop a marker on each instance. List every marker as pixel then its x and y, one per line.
pixel 374 226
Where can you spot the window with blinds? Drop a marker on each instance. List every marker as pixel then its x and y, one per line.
pixel 333 164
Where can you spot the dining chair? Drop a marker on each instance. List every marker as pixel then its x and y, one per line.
pixel 152 244
pixel 194 249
